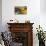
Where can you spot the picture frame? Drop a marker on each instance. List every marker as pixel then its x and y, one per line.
pixel 20 10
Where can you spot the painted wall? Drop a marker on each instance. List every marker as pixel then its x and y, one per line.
pixel 34 14
pixel 43 6
pixel 0 15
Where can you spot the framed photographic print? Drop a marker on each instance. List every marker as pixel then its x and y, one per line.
pixel 20 10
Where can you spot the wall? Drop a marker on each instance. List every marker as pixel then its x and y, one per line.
pixel 8 10
pixel 43 6
pixel 0 15
pixel 34 14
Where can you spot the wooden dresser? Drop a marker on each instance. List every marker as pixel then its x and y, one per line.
pixel 22 33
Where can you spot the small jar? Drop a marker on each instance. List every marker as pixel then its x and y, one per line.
pixel 27 21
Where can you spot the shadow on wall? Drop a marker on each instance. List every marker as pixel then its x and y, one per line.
pixel 43 6
pixel 0 15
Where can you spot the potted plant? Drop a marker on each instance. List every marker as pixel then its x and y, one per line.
pixel 41 36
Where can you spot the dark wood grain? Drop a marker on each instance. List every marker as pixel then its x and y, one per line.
pixel 23 27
